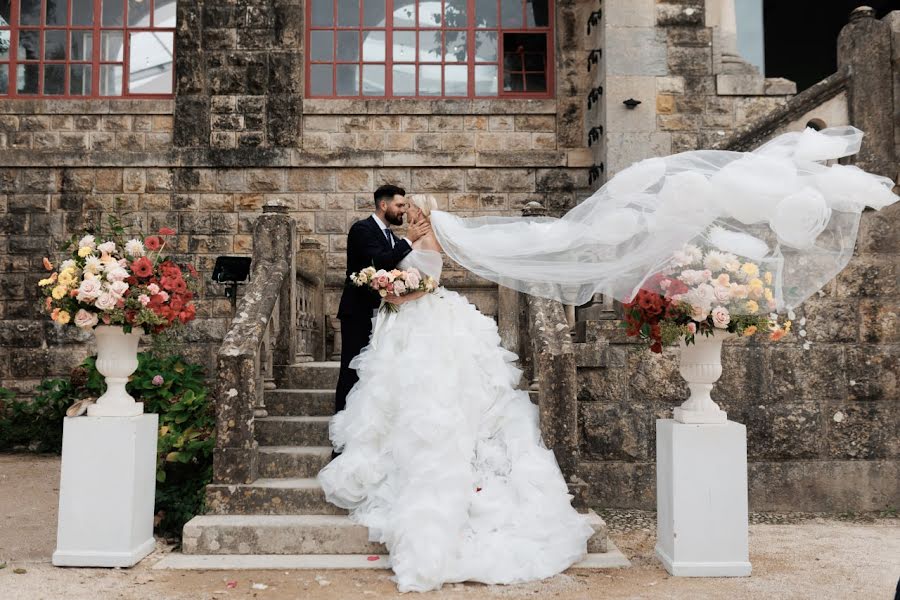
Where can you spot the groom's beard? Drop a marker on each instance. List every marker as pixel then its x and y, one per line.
pixel 396 219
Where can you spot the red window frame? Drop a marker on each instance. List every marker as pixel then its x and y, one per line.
pixel 389 62
pixel 95 62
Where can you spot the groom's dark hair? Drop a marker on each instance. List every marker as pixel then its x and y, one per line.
pixel 387 192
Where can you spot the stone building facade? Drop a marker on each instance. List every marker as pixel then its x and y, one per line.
pixel 241 132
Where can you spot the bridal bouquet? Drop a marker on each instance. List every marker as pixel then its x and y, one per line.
pixel 117 282
pixel 393 283
pixel 701 293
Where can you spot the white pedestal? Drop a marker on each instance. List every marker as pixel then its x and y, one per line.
pixel 701 499
pixel 106 491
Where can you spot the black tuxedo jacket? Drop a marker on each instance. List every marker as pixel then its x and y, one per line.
pixel 367 246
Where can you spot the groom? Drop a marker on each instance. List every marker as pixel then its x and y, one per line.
pixel 370 243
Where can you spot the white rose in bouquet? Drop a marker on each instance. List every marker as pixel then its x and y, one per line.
pixel 85 319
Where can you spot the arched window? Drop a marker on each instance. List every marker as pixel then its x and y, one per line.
pixel 429 48
pixel 86 48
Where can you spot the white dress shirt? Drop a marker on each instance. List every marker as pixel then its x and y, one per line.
pixel 385 228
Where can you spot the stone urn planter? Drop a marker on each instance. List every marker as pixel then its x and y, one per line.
pixel 116 361
pixel 701 366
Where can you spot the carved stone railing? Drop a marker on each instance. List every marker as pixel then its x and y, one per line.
pixel 257 342
pixel 311 316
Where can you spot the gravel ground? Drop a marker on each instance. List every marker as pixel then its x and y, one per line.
pixel 794 556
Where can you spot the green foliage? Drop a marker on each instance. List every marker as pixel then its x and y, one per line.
pixel 169 386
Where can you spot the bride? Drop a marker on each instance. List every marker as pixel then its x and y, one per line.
pixel 442 457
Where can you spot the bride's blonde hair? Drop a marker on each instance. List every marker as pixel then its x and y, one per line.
pixel 425 203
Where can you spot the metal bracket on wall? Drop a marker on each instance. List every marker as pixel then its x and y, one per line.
pixel 594 20
pixel 594 173
pixel 594 57
pixel 594 134
pixel 594 96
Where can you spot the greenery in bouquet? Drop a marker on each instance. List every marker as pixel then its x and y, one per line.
pixel 119 281
pixel 702 293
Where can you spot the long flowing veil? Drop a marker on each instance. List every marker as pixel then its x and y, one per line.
pixel 778 211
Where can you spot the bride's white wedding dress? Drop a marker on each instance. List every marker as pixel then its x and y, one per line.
pixel 442 457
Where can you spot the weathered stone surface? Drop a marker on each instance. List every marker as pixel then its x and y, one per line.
pixel 783 430
pixel 873 372
pixel 861 430
pixel 616 431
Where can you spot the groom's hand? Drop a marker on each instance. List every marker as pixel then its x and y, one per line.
pixel 418 230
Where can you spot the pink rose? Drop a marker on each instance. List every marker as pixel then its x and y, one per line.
pixel 164 295
pixel 118 288
pixel 89 290
pixel 158 380
pixel 721 317
pixel 106 301
pixel 722 294
pixel 85 320
pixel 153 288
pixel 699 312
pixel 399 288
pixel 144 299
pixel 382 281
pixel 413 279
pixel 692 328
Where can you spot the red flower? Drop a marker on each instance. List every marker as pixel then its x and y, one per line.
pixel 142 267
pixel 166 231
pixel 656 347
pixel 153 243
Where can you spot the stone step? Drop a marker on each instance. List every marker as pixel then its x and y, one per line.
pixel 277 534
pixel 299 403
pixel 292 431
pixel 292 461
pixel 289 496
pixel 302 534
pixel 312 375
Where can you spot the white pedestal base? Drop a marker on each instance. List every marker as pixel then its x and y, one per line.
pixel 701 499
pixel 106 491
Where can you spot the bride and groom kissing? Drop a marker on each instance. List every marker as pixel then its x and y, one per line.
pixel 436 451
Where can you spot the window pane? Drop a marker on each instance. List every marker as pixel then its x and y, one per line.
pixel 54 45
pixel 373 13
pixel 113 12
pixel 405 46
pixel 54 80
pixel 455 13
pixel 373 46
pixel 150 57
pixel 347 80
pixel 535 82
pixel 348 46
pixel 29 12
pixel 28 78
pixel 534 62
pixel 537 13
pixel 5 37
pixel 4 80
pixel 322 13
pixel 404 80
pixel 486 80
pixel 404 13
pixel 429 13
pixel 57 12
pixel 5 13
pixel 110 80
pixel 430 80
pixel 111 45
pixel 348 13
pixel 456 80
pixel 82 45
pixel 322 47
pixel 511 13
pixel 524 51
pixel 485 13
pixel 320 80
pixel 80 80
pixel 430 46
pixel 164 13
pixel 513 82
pixel 373 80
pixel 486 46
pixel 139 13
pixel 82 12
pixel 29 44
pixel 455 46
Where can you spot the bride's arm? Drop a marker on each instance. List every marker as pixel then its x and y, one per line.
pixel 411 297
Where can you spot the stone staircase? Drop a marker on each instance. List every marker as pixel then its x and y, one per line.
pixel 284 513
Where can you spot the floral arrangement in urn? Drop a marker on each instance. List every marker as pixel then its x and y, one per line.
pixel 704 293
pixel 113 281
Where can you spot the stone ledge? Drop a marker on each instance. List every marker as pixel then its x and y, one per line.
pixel 753 84
pixel 428 107
pixel 119 106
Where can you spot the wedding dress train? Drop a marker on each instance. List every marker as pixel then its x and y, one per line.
pixel 442 457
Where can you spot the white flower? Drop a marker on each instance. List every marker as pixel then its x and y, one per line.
pixel 85 319
pixel 717 261
pixel 107 247
pixel 92 265
pixel 134 247
pixel 67 264
pixel 399 288
pixel 89 290
pixel 118 288
pixel 692 277
pixel 106 301
pixel 722 293
pixel 413 279
pixel 88 241
pixel 117 273
pixel 791 315
pixel 721 317
pixel 699 312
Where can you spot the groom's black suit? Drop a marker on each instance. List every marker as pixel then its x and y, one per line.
pixel 367 246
